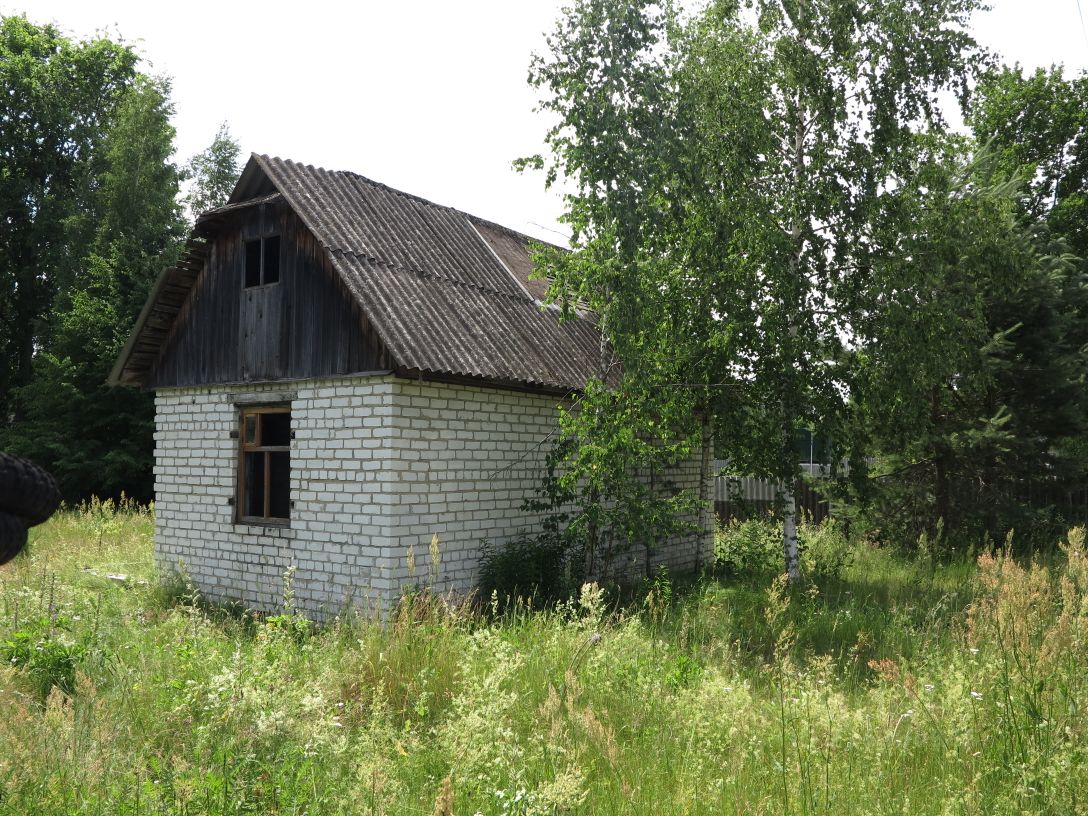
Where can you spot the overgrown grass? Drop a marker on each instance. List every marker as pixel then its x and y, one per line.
pixel 887 687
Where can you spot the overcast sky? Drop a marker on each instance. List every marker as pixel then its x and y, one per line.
pixel 429 97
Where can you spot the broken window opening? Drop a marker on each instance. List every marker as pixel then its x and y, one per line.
pixel 264 472
pixel 262 261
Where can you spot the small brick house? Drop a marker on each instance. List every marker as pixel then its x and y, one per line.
pixel 342 371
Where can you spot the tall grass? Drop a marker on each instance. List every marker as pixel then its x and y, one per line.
pixel 887 687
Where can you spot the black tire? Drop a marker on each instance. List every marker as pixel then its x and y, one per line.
pixel 12 537
pixel 26 490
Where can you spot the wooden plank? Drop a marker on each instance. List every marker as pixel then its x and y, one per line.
pixel 307 325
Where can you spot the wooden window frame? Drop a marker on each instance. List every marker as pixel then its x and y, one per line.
pixel 263 239
pixel 245 447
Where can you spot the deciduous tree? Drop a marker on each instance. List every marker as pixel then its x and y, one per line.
pixel 1037 125
pixel 213 173
pixel 59 100
pixel 728 170
pixel 118 222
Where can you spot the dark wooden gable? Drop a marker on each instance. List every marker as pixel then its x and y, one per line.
pixel 372 279
pixel 305 325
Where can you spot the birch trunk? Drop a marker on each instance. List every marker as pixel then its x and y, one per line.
pixel 706 493
pixel 786 486
pixel 789 530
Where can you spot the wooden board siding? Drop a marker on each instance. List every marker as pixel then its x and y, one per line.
pixel 306 325
pixel 446 301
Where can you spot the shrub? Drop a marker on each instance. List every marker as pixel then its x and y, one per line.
pixel 825 550
pixel 45 653
pixel 754 547
pixel 542 567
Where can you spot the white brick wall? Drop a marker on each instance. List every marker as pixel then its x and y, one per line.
pixel 378 466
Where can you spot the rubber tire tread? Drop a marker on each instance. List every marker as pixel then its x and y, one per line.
pixel 12 537
pixel 26 490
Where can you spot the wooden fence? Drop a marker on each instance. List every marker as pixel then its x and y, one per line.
pixel 741 497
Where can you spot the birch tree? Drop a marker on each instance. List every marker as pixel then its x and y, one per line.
pixel 727 168
pixel 213 172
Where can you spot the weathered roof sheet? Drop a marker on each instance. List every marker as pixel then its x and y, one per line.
pixel 442 297
pixel 447 292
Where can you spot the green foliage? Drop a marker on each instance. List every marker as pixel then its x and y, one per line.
pixel 1038 125
pixel 754 547
pixel 612 477
pixel 113 225
pixel 59 104
pixel 971 380
pixel 728 171
pixel 948 687
pixel 43 651
pixel 213 173
pixel 540 567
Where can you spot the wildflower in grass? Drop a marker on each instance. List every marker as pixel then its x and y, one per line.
pixel 566 792
pixel 443 803
pixel 886 669
pixel 591 601
pixel 271 722
pixel 312 703
pixel 478 735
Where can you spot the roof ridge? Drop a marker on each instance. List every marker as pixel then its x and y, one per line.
pixel 423 273
pixel 515 233
pixel 411 196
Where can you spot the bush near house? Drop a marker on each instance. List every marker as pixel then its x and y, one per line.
pixel 754 546
pixel 883 686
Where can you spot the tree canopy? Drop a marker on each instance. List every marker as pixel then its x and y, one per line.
pixel 213 173
pixel 731 172
pixel 89 192
pixel 61 98
pixel 1038 126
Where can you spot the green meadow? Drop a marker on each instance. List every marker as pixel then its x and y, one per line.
pixel 882 685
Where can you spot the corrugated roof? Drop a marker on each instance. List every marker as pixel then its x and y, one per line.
pixel 439 295
pixel 447 292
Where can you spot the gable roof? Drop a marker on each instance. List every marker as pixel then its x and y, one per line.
pixel 448 293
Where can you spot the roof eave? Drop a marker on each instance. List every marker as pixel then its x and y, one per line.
pixel 482 381
pixel 117 373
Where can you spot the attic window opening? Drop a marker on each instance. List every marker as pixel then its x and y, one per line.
pixel 262 261
pixel 264 467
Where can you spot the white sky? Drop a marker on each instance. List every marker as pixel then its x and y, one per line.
pixel 429 96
